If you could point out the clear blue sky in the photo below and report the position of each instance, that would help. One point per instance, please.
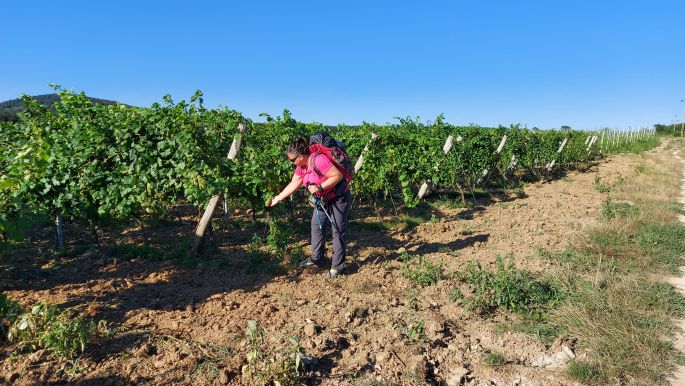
(586, 64)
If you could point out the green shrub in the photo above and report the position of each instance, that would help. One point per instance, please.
(509, 289)
(9, 312)
(46, 327)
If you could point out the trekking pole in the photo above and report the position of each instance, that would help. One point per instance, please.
(320, 207)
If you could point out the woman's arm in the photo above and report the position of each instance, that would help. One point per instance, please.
(294, 184)
(333, 176)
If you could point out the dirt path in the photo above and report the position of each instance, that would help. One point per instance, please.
(678, 377)
(353, 326)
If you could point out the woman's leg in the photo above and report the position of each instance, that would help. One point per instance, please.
(318, 238)
(339, 211)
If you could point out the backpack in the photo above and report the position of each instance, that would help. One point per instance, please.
(333, 149)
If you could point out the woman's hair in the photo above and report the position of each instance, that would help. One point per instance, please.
(299, 146)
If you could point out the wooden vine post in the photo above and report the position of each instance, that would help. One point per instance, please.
(205, 221)
(59, 232)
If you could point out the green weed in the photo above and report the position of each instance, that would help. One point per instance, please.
(585, 373)
(279, 237)
(509, 289)
(599, 186)
(456, 295)
(665, 242)
(612, 209)
(494, 359)
(413, 330)
(46, 327)
(539, 328)
(412, 299)
(421, 272)
(282, 366)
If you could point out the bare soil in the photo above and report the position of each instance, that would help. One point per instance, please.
(179, 325)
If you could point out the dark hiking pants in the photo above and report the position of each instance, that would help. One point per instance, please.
(338, 210)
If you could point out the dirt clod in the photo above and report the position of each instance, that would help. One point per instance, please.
(311, 329)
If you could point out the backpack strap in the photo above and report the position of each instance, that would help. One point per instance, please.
(313, 158)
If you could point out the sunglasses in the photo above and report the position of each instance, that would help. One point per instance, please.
(292, 160)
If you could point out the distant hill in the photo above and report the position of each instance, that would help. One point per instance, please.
(9, 109)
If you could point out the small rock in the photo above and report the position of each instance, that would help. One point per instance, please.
(190, 308)
(394, 302)
(301, 302)
(568, 352)
(311, 329)
(224, 377)
(435, 330)
(456, 375)
(37, 356)
(417, 364)
(360, 360)
(348, 317)
(145, 350)
(382, 357)
(555, 360)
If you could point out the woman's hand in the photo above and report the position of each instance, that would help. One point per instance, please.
(275, 200)
(314, 189)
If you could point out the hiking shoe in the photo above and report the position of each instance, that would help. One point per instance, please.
(308, 262)
(333, 273)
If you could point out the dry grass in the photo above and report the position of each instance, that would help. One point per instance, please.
(619, 308)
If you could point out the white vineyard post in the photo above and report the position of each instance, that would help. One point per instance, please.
(200, 231)
(593, 139)
(550, 165)
(225, 208)
(360, 160)
(425, 187)
(498, 151)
